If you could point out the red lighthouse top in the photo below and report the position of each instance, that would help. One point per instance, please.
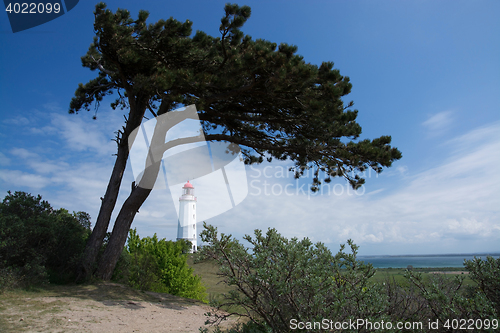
(188, 185)
(187, 192)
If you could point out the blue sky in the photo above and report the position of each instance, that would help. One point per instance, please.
(425, 72)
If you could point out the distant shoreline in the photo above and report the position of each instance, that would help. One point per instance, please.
(423, 261)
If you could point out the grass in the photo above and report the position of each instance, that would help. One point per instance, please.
(18, 299)
(208, 270)
(397, 274)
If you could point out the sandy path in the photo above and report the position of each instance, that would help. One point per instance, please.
(61, 313)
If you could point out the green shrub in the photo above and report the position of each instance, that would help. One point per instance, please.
(39, 244)
(121, 273)
(446, 298)
(486, 273)
(277, 280)
(160, 266)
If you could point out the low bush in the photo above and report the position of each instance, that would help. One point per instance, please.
(486, 273)
(277, 282)
(160, 266)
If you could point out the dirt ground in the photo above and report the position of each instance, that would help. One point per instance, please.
(105, 307)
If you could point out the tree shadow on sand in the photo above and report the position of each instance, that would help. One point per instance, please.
(114, 294)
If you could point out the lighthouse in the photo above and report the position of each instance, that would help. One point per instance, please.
(187, 216)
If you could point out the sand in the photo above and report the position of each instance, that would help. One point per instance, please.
(87, 311)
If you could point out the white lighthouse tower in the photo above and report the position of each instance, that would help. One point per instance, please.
(187, 216)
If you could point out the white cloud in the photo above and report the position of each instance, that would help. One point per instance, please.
(18, 121)
(438, 123)
(53, 166)
(52, 106)
(451, 207)
(469, 227)
(46, 130)
(438, 208)
(23, 153)
(18, 178)
(81, 135)
(4, 160)
(402, 169)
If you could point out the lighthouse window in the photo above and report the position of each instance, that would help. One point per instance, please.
(194, 207)
(193, 216)
(194, 235)
(194, 226)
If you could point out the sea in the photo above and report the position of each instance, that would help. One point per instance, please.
(423, 261)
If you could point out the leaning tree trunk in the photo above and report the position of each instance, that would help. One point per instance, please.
(95, 240)
(126, 216)
(120, 232)
(94, 243)
(141, 192)
(134, 201)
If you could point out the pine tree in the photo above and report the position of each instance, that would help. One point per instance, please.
(254, 93)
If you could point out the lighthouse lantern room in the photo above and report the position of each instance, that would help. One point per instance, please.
(187, 216)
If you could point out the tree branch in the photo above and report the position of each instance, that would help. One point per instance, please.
(104, 70)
